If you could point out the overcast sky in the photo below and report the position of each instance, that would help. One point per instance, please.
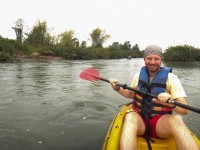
(143, 22)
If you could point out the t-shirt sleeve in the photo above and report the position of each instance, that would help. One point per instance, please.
(135, 80)
(175, 87)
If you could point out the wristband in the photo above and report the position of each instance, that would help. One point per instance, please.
(173, 106)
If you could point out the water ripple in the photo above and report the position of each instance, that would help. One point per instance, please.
(45, 105)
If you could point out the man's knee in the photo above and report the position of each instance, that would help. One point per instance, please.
(134, 121)
(131, 117)
(176, 120)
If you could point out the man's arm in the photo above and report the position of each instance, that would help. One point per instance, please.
(177, 93)
(124, 92)
(179, 109)
(163, 97)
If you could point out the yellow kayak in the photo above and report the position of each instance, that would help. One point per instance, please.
(112, 138)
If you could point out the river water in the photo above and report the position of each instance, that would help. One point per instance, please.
(44, 105)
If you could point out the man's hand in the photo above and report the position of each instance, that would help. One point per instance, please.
(113, 84)
(163, 97)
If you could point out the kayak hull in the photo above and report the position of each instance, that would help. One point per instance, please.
(112, 139)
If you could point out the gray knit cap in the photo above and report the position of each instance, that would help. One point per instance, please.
(153, 49)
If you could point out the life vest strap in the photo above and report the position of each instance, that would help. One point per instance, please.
(151, 112)
(151, 85)
(150, 104)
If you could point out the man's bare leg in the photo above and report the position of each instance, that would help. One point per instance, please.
(133, 126)
(169, 125)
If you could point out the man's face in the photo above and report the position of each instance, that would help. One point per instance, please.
(152, 62)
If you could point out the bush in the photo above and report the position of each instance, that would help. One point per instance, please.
(4, 56)
(182, 53)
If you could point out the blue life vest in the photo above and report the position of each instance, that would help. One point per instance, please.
(144, 103)
(157, 85)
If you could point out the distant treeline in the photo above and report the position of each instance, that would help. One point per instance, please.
(10, 49)
(182, 53)
(39, 41)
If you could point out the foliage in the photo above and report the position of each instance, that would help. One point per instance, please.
(115, 46)
(10, 46)
(135, 48)
(67, 46)
(83, 44)
(66, 39)
(182, 53)
(94, 53)
(19, 29)
(4, 56)
(39, 35)
(7, 48)
(126, 45)
(98, 37)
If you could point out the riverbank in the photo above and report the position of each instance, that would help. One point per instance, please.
(35, 55)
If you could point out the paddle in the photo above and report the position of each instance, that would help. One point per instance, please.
(92, 74)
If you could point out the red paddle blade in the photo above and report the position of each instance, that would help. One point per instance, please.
(90, 74)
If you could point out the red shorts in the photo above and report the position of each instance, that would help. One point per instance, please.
(153, 122)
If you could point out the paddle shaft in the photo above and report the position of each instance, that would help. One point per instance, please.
(124, 86)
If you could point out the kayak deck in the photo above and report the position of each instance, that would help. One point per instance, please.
(112, 139)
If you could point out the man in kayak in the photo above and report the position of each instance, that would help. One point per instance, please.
(153, 117)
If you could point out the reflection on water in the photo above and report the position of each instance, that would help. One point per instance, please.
(44, 105)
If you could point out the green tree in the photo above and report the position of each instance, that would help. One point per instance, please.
(19, 29)
(67, 39)
(135, 48)
(83, 44)
(76, 42)
(126, 45)
(115, 46)
(182, 53)
(98, 37)
(39, 35)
